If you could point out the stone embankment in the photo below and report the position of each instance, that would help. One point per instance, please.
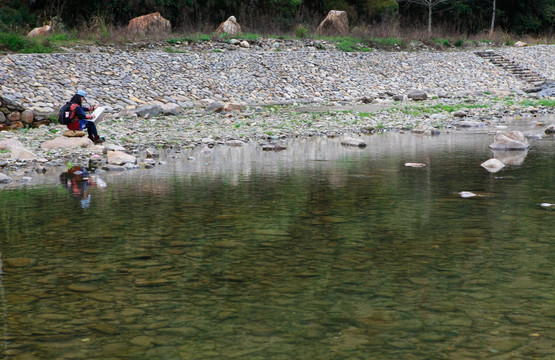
(43, 82)
(33, 87)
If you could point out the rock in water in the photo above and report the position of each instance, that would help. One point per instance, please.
(349, 141)
(467, 194)
(493, 165)
(509, 140)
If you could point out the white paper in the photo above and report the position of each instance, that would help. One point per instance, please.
(98, 112)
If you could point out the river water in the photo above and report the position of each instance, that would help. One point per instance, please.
(315, 252)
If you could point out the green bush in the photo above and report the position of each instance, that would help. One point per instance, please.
(18, 43)
(301, 31)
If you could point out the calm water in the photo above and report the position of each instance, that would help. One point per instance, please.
(315, 252)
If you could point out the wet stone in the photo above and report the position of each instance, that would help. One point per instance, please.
(104, 328)
(81, 287)
(20, 262)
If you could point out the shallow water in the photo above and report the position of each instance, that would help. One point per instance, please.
(315, 252)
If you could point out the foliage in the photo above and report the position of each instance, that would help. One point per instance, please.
(301, 31)
(520, 17)
(349, 44)
(18, 43)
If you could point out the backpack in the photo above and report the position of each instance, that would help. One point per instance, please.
(64, 116)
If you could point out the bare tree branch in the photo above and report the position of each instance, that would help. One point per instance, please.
(430, 4)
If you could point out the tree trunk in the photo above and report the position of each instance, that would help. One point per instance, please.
(430, 19)
(492, 19)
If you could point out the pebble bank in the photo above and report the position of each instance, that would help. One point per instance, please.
(123, 80)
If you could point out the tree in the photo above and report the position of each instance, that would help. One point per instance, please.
(430, 4)
(492, 19)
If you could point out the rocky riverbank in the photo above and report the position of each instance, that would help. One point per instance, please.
(270, 92)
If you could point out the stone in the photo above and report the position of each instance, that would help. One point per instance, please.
(27, 117)
(230, 26)
(470, 124)
(74, 133)
(232, 106)
(104, 328)
(14, 116)
(416, 165)
(509, 140)
(550, 130)
(520, 44)
(417, 95)
(149, 25)
(20, 153)
(41, 31)
(5, 179)
(149, 110)
(215, 106)
(20, 262)
(9, 144)
(244, 44)
(336, 23)
(234, 143)
(467, 194)
(171, 109)
(16, 125)
(65, 142)
(459, 113)
(492, 165)
(120, 158)
(425, 130)
(350, 141)
(2, 117)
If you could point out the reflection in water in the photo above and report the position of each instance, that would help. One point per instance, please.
(77, 179)
(514, 158)
(316, 252)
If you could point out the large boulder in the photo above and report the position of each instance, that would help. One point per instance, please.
(509, 140)
(230, 26)
(41, 31)
(151, 24)
(336, 23)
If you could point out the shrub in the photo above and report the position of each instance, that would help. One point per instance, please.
(301, 31)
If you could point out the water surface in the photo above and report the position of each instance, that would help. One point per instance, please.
(315, 252)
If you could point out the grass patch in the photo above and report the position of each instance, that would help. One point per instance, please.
(19, 43)
(542, 102)
(387, 42)
(435, 109)
(349, 44)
